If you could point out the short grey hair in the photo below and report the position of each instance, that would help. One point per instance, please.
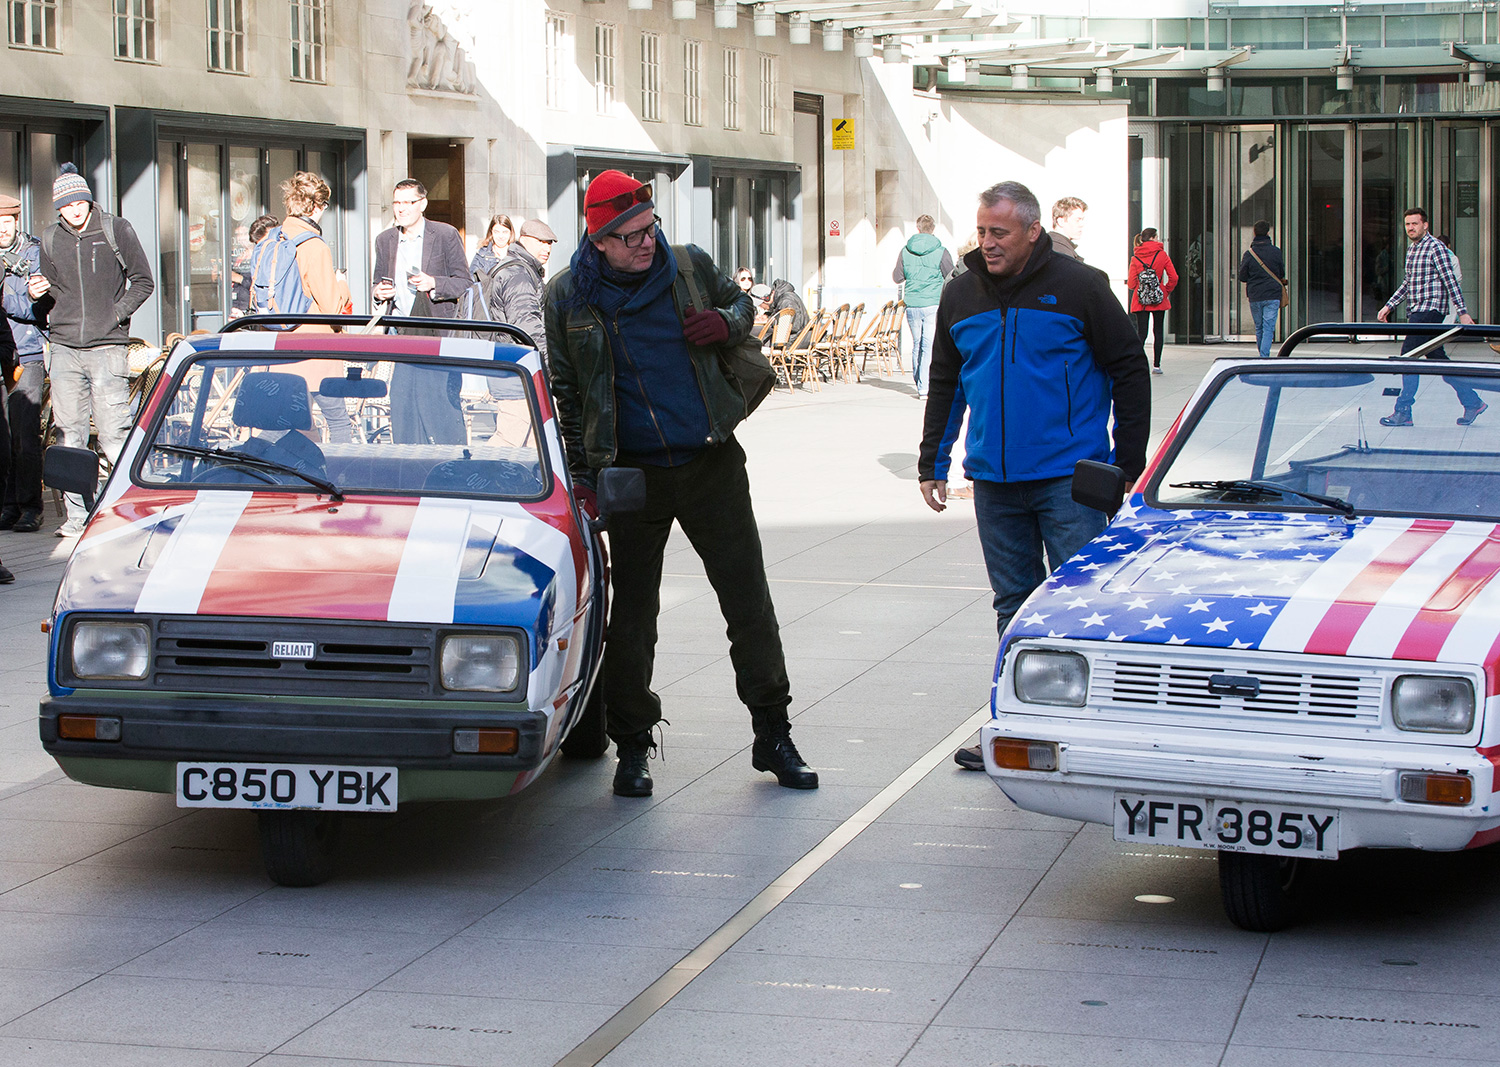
(1023, 198)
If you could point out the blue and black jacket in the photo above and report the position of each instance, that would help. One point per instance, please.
(1037, 359)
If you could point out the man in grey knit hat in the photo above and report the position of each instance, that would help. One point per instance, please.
(98, 275)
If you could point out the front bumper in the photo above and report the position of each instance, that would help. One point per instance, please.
(1359, 778)
(242, 729)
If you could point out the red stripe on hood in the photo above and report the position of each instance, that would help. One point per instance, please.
(296, 556)
(1425, 636)
(1336, 630)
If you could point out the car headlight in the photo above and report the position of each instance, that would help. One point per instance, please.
(1047, 677)
(489, 663)
(1432, 704)
(104, 649)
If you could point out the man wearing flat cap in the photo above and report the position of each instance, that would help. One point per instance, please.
(516, 296)
(634, 328)
(24, 293)
(99, 275)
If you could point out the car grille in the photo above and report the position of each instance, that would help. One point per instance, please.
(1288, 689)
(350, 659)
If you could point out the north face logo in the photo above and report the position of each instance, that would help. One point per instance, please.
(1047, 299)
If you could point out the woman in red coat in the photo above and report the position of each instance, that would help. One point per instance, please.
(1149, 253)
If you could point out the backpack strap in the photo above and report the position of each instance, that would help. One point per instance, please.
(689, 279)
(107, 224)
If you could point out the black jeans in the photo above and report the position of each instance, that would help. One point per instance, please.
(1143, 322)
(709, 496)
(21, 440)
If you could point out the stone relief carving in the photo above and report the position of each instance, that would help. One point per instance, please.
(442, 39)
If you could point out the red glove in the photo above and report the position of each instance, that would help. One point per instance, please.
(706, 328)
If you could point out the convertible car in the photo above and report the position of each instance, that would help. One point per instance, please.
(331, 573)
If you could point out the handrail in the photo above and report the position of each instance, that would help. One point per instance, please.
(1353, 330)
(246, 322)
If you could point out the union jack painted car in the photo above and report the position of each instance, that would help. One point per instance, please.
(331, 573)
(1287, 642)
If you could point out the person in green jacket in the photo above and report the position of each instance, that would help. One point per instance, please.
(922, 266)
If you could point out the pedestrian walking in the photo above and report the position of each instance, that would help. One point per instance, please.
(498, 237)
(1067, 226)
(421, 270)
(25, 302)
(8, 368)
(1045, 353)
(921, 269)
(98, 276)
(1430, 288)
(516, 293)
(1151, 281)
(1263, 271)
(639, 383)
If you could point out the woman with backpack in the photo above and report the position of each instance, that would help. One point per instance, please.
(1151, 281)
(497, 241)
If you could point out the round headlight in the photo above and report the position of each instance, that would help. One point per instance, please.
(1433, 704)
(489, 663)
(111, 649)
(1044, 676)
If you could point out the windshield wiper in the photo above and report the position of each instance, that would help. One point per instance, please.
(1267, 488)
(225, 455)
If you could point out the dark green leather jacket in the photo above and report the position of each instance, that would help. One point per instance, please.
(583, 368)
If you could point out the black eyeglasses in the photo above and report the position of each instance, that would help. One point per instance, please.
(624, 200)
(637, 237)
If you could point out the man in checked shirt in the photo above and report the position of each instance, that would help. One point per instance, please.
(1429, 287)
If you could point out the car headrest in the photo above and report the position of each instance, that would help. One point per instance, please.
(270, 401)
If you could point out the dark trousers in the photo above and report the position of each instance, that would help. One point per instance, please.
(21, 440)
(709, 497)
(1144, 320)
(1409, 382)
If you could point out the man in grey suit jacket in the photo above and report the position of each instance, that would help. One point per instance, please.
(421, 268)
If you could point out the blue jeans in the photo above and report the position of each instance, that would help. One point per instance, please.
(921, 322)
(1016, 521)
(1409, 382)
(1263, 312)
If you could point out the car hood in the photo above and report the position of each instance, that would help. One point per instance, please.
(291, 555)
(1380, 587)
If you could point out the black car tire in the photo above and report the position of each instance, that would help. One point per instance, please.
(1260, 892)
(589, 739)
(298, 846)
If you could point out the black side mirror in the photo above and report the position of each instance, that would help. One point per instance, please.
(73, 470)
(1100, 486)
(621, 490)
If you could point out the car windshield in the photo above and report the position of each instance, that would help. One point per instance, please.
(333, 426)
(1311, 438)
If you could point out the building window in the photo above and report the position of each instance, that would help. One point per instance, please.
(307, 40)
(605, 85)
(558, 44)
(692, 83)
(650, 77)
(767, 94)
(135, 30)
(33, 23)
(731, 88)
(226, 35)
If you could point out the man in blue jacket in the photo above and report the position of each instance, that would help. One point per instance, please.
(25, 300)
(1037, 349)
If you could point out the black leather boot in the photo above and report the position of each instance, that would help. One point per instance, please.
(774, 751)
(633, 775)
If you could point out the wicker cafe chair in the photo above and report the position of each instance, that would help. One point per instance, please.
(826, 361)
(779, 334)
(844, 344)
(802, 354)
(868, 344)
(892, 338)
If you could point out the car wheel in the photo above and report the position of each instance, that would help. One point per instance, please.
(588, 739)
(1260, 892)
(298, 846)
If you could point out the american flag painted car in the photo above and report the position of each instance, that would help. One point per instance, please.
(1287, 642)
(331, 573)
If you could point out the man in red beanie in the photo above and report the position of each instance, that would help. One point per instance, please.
(636, 373)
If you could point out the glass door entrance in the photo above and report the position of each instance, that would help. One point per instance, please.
(1252, 181)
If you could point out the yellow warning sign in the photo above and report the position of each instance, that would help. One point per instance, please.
(843, 133)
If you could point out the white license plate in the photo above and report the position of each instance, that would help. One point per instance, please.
(286, 786)
(1227, 825)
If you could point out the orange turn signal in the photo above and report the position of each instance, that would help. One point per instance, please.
(487, 742)
(88, 728)
(1432, 787)
(1015, 754)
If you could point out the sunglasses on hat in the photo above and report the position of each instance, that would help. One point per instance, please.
(624, 200)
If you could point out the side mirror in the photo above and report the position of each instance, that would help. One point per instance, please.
(1100, 486)
(621, 490)
(73, 470)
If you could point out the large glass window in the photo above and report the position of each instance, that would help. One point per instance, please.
(1316, 175)
(33, 24)
(1422, 29)
(558, 45)
(1267, 33)
(650, 77)
(1384, 183)
(1252, 153)
(749, 220)
(767, 93)
(692, 83)
(226, 35)
(606, 87)
(308, 29)
(135, 30)
(1458, 170)
(731, 88)
(1192, 205)
(1120, 31)
(1261, 99)
(1422, 94)
(1328, 32)
(1181, 97)
(1324, 97)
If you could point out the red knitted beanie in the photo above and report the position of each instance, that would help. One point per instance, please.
(605, 217)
